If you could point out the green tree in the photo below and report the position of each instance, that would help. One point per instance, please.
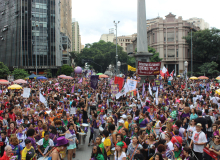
(20, 73)
(48, 73)
(65, 69)
(131, 61)
(102, 54)
(155, 57)
(209, 68)
(4, 71)
(206, 47)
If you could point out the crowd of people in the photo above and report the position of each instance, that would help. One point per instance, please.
(172, 122)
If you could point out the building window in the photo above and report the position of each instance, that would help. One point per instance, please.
(165, 53)
(170, 36)
(177, 53)
(176, 36)
(164, 35)
(170, 53)
(153, 38)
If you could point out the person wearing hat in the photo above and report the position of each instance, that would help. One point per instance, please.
(62, 144)
(126, 124)
(198, 141)
(119, 154)
(120, 124)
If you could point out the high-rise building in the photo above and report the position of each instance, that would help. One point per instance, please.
(198, 22)
(76, 37)
(108, 37)
(66, 29)
(30, 34)
(124, 41)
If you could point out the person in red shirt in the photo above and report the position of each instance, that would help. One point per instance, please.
(11, 115)
(12, 129)
(176, 137)
(7, 154)
(119, 138)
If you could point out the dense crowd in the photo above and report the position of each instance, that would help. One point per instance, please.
(172, 122)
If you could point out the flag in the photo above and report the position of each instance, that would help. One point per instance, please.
(167, 74)
(172, 73)
(162, 74)
(72, 91)
(94, 81)
(149, 89)
(164, 70)
(80, 81)
(124, 91)
(143, 90)
(138, 96)
(42, 99)
(119, 81)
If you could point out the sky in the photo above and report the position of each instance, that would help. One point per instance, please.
(96, 17)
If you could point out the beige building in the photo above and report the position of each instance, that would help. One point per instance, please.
(124, 41)
(198, 22)
(166, 36)
(108, 37)
(66, 29)
(76, 37)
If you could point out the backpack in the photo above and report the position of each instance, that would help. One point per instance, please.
(208, 118)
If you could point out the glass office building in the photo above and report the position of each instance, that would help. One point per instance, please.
(30, 34)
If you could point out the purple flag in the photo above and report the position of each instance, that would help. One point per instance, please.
(207, 87)
(94, 81)
(143, 90)
(80, 81)
(73, 89)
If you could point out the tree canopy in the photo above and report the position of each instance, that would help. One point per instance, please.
(4, 71)
(65, 69)
(155, 57)
(209, 67)
(20, 73)
(206, 47)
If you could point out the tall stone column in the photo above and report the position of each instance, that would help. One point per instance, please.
(142, 45)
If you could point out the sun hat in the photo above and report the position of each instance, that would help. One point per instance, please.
(121, 121)
(121, 144)
(199, 124)
(124, 116)
(61, 141)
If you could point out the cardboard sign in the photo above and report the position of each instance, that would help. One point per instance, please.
(157, 82)
(114, 89)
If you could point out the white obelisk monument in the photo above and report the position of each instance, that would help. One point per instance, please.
(142, 47)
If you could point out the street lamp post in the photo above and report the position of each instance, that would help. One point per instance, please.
(110, 66)
(118, 66)
(116, 27)
(186, 66)
(191, 53)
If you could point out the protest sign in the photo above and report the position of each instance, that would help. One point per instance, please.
(26, 92)
(94, 81)
(157, 82)
(114, 89)
(132, 84)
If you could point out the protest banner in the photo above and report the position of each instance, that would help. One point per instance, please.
(132, 84)
(148, 68)
(119, 81)
(114, 89)
(94, 81)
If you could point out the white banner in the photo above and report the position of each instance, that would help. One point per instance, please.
(43, 100)
(132, 84)
(26, 92)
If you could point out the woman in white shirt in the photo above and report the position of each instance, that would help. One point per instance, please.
(119, 154)
(168, 137)
(191, 128)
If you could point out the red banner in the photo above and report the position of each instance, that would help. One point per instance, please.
(148, 68)
(119, 81)
(210, 153)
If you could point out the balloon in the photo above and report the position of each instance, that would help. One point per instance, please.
(78, 70)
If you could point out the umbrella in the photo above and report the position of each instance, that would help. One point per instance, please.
(62, 75)
(218, 78)
(15, 86)
(41, 77)
(103, 76)
(66, 77)
(203, 77)
(217, 91)
(99, 73)
(18, 81)
(32, 76)
(178, 76)
(3, 81)
(194, 78)
(56, 84)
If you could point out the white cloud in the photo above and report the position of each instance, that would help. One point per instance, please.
(96, 17)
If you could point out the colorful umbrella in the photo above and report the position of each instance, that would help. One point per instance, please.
(18, 81)
(15, 86)
(203, 77)
(66, 77)
(217, 91)
(3, 81)
(41, 77)
(103, 76)
(99, 73)
(218, 78)
(62, 75)
(194, 78)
